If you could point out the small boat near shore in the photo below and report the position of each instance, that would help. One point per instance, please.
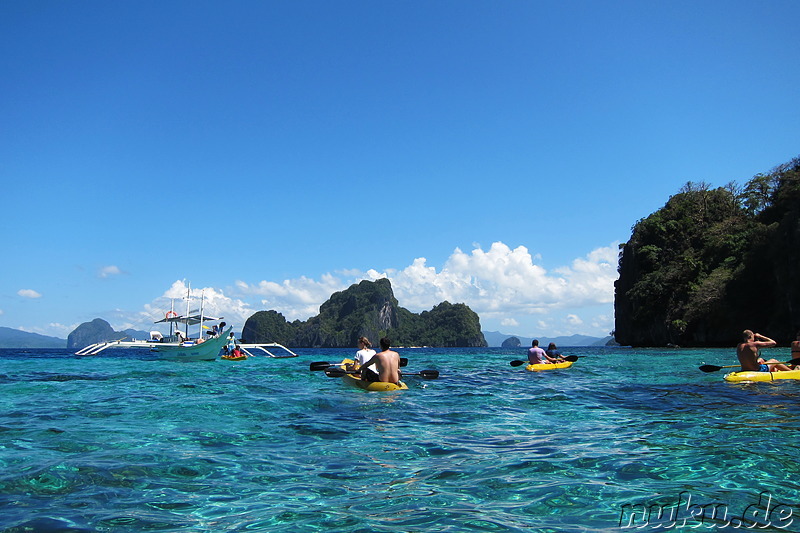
(178, 346)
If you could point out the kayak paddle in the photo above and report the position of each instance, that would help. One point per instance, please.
(714, 368)
(322, 365)
(426, 374)
(339, 372)
(570, 358)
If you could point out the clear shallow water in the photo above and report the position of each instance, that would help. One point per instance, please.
(117, 443)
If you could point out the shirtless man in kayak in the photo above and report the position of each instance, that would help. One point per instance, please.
(747, 352)
(387, 363)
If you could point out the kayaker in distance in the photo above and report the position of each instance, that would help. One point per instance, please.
(537, 356)
(387, 363)
(552, 351)
(231, 343)
(747, 352)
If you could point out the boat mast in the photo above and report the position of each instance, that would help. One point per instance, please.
(188, 301)
(172, 310)
(202, 303)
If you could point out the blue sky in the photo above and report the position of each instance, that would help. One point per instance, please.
(271, 153)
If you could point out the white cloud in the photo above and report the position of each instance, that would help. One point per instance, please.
(505, 286)
(61, 329)
(502, 281)
(500, 284)
(108, 271)
(29, 293)
(298, 299)
(214, 303)
(574, 320)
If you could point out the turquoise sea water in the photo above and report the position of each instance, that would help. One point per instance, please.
(118, 443)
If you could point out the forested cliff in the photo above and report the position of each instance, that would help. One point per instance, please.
(369, 309)
(713, 262)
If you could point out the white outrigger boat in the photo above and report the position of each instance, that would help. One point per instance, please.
(179, 347)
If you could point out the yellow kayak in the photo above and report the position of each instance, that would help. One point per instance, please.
(548, 366)
(370, 385)
(749, 375)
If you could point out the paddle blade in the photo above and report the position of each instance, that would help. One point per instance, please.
(518, 363)
(336, 372)
(571, 358)
(429, 374)
(710, 368)
(322, 365)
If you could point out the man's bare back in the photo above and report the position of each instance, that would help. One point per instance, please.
(747, 352)
(387, 362)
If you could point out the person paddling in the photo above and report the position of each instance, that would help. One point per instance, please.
(537, 356)
(553, 351)
(364, 353)
(386, 361)
(747, 352)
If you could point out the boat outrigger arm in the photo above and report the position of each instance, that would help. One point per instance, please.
(263, 347)
(94, 349)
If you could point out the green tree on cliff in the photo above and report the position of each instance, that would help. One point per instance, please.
(712, 262)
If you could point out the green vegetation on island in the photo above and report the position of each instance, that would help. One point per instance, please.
(713, 262)
(369, 308)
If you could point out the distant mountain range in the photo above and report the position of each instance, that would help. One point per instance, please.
(15, 338)
(495, 338)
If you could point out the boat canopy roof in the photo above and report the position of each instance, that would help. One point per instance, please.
(190, 320)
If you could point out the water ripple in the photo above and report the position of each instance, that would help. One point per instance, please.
(122, 444)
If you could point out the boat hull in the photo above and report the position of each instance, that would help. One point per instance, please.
(205, 351)
(550, 366)
(372, 386)
(761, 376)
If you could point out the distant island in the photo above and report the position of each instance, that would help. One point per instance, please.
(15, 338)
(369, 309)
(98, 330)
(713, 262)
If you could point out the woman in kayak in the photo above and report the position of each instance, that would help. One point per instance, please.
(364, 354)
(552, 351)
